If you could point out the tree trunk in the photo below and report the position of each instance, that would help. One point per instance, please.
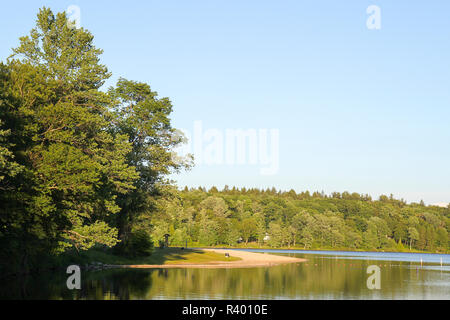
(24, 264)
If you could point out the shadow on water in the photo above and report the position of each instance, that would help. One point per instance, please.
(321, 277)
(95, 285)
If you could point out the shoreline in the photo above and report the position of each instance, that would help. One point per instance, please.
(320, 250)
(247, 260)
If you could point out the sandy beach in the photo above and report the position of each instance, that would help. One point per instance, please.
(248, 260)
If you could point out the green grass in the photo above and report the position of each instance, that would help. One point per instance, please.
(178, 256)
(159, 256)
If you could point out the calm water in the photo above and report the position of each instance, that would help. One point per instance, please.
(326, 275)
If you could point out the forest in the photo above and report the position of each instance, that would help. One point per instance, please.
(79, 165)
(277, 219)
(84, 168)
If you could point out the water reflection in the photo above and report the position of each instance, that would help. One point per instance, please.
(321, 277)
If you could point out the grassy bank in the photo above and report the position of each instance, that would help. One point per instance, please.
(170, 255)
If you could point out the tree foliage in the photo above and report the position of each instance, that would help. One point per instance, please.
(288, 219)
(78, 165)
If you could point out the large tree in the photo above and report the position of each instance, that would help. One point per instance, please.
(145, 119)
(73, 156)
(77, 160)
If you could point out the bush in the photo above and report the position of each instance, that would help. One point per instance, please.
(138, 244)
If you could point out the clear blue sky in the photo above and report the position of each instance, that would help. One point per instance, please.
(357, 109)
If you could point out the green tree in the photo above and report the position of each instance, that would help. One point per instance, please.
(79, 166)
(248, 228)
(442, 237)
(306, 238)
(276, 235)
(413, 235)
(143, 118)
(76, 161)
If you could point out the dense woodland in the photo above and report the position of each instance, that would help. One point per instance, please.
(83, 167)
(79, 166)
(304, 220)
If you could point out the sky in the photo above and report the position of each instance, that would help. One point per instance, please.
(354, 108)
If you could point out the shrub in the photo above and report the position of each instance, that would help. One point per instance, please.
(138, 244)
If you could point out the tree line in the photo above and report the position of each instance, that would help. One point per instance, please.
(255, 217)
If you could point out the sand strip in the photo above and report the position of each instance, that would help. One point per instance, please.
(248, 260)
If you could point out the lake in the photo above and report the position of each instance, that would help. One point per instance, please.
(326, 275)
